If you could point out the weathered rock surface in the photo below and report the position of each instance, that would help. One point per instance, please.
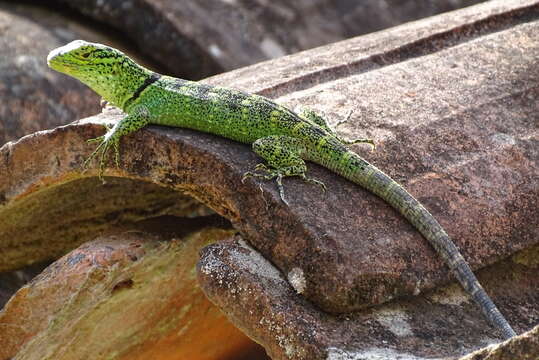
(34, 97)
(12, 281)
(441, 324)
(523, 347)
(457, 127)
(452, 102)
(195, 39)
(441, 97)
(47, 222)
(132, 295)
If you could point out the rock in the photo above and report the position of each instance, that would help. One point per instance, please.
(440, 97)
(33, 96)
(46, 223)
(523, 347)
(446, 128)
(11, 281)
(132, 295)
(37, 98)
(438, 324)
(452, 104)
(195, 39)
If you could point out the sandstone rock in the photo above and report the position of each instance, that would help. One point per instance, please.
(452, 104)
(440, 96)
(186, 43)
(132, 295)
(46, 223)
(441, 324)
(455, 125)
(11, 281)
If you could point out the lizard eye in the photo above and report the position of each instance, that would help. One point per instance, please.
(85, 55)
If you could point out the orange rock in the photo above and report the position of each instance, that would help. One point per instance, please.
(127, 296)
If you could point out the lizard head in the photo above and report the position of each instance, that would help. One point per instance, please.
(108, 71)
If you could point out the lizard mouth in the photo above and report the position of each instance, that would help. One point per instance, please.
(52, 58)
(59, 64)
(57, 61)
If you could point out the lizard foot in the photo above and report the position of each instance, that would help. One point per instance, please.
(354, 141)
(361, 140)
(313, 181)
(264, 172)
(268, 174)
(102, 150)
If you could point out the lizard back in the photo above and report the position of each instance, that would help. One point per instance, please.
(226, 112)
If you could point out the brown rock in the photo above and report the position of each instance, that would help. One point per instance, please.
(370, 52)
(33, 96)
(436, 325)
(11, 281)
(443, 112)
(46, 223)
(440, 97)
(195, 39)
(523, 347)
(132, 295)
(456, 121)
(36, 98)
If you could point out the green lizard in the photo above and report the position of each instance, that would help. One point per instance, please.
(283, 138)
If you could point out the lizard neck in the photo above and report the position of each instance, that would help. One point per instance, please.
(120, 82)
(150, 79)
(129, 81)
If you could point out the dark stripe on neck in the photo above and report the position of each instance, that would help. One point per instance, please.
(149, 80)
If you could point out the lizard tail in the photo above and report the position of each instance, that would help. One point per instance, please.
(353, 167)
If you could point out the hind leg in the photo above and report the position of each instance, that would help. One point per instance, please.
(313, 117)
(283, 155)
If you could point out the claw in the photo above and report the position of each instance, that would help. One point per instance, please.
(281, 188)
(314, 181)
(268, 174)
(92, 155)
(275, 174)
(116, 154)
(373, 144)
(346, 119)
(370, 142)
(97, 139)
(357, 141)
(367, 141)
(103, 160)
(261, 167)
(102, 151)
(246, 175)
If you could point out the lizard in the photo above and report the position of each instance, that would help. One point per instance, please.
(285, 139)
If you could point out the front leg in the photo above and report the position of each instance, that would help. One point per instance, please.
(130, 123)
(283, 154)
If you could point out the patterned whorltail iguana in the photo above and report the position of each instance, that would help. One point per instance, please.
(281, 137)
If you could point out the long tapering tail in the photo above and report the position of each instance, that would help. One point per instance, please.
(356, 169)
